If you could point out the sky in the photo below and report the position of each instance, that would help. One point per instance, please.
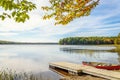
(104, 20)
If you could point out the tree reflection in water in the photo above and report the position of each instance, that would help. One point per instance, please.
(97, 54)
(118, 51)
(117, 45)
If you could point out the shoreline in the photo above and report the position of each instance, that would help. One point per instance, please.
(84, 77)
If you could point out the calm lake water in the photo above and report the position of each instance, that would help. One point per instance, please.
(36, 58)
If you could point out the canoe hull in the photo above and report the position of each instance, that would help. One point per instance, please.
(110, 67)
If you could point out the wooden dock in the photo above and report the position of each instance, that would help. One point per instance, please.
(77, 69)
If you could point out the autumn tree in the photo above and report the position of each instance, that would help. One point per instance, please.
(117, 43)
(87, 40)
(16, 9)
(64, 11)
(119, 35)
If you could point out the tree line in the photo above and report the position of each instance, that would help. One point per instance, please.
(119, 35)
(88, 40)
(6, 42)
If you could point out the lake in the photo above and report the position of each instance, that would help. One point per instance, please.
(36, 58)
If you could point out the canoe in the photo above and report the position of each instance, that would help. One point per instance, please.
(102, 65)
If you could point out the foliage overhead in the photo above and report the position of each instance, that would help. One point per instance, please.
(17, 9)
(64, 11)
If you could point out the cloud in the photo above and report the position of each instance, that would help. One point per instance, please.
(103, 20)
(10, 25)
(8, 34)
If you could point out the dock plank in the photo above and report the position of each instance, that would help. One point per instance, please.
(87, 69)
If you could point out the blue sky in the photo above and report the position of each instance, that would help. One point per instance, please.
(103, 21)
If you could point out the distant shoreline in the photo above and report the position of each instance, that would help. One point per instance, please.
(28, 43)
(52, 44)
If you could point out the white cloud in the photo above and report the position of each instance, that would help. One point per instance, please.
(45, 30)
(10, 25)
(8, 34)
(39, 39)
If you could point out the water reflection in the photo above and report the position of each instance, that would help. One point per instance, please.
(36, 58)
(99, 54)
(24, 58)
(87, 51)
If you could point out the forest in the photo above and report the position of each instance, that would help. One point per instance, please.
(6, 42)
(89, 40)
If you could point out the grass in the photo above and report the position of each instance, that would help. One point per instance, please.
(7, 74)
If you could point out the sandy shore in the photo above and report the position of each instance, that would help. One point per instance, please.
(84, 77)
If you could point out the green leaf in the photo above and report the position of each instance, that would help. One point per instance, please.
(19, 11)
(3, 17)
(13, 14)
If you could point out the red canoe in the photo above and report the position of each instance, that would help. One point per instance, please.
(102, 65)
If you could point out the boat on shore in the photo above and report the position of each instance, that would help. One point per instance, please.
(102, 65)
